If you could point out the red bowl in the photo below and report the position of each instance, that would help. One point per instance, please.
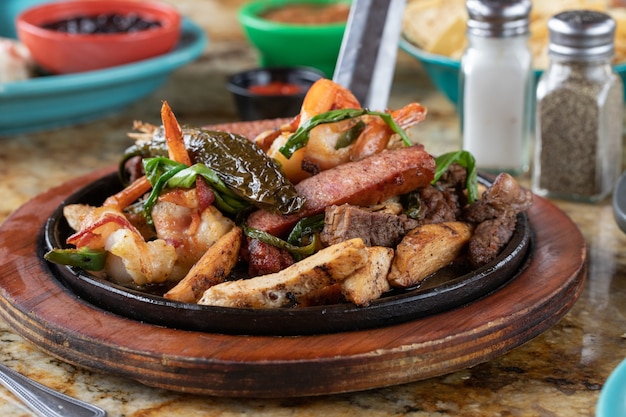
(62, 53)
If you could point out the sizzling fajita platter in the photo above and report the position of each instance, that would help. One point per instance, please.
(451, 268)
(444, 290)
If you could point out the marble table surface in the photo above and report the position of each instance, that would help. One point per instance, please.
(559, 373)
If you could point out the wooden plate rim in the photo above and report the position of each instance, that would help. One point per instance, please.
(49, 316)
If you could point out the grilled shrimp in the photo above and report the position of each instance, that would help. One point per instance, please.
(189, 229)
(182, 235)
(185, 222)
(134, 259)
(377, 133)
(322, 151)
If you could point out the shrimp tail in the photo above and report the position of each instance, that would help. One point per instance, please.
(128, 195)
(174, 136)
(375, 137)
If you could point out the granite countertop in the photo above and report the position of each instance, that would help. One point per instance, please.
(559, 373)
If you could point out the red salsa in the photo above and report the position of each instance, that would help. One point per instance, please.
(276, 88)
(309, 14)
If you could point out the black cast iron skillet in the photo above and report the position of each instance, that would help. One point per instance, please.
(443, 291)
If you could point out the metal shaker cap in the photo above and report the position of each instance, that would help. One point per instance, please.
(582, 34)
(498, 18)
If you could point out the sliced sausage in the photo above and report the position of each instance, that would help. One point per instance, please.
(362, 183)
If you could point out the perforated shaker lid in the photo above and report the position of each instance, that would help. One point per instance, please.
(582, 34)
(498, 18)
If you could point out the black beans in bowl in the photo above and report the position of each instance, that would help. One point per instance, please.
(102, 24)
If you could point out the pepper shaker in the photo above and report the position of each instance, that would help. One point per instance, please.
(579, 110)
(497, 85)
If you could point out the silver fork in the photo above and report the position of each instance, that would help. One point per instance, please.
(46, 402)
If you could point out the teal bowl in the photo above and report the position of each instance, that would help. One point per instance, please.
(52, 101)
(292, 45)
(612, 400)
(444, 71)
(9, 9)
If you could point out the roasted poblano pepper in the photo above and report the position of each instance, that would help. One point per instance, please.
(241, 165)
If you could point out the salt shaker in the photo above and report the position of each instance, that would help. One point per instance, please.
(579, 110)
(497, 85)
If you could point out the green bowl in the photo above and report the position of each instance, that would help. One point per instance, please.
(290, 45)
(444, 71)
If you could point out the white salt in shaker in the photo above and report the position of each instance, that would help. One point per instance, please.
(579, 110)
(497, 85)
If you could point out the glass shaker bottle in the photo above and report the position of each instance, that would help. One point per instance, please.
(497, 85)
(579, 110)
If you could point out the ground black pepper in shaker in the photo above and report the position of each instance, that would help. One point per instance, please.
(579, 110)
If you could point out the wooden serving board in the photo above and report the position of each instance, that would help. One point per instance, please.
(51, 317)
(44, 312)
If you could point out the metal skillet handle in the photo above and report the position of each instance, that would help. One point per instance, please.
(367, 58)
(44, 401)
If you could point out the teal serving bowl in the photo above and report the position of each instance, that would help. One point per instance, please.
(9, 10)
(612, 400)
(52, 101)
(292, 45)
(444, 71)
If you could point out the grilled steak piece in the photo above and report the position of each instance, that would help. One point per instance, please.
(496, 216)
(375, 228)
(443, 202)
(504, 197)
(489, 238)
(438, 205)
